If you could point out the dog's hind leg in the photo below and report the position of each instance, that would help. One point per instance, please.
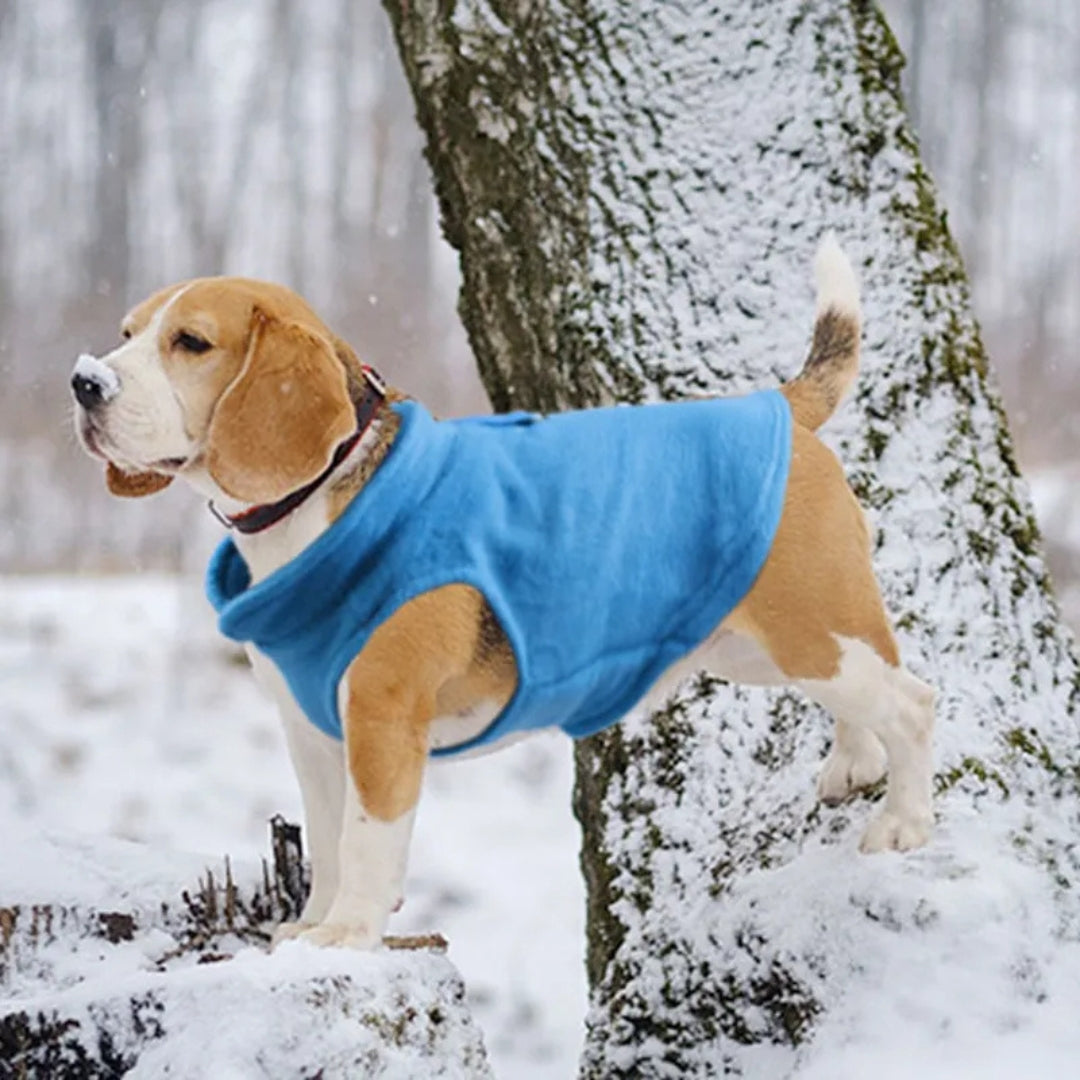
(857, 760)
(817, 612)
(885, 703)
(884, 720)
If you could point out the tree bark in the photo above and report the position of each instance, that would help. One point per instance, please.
(636, 190)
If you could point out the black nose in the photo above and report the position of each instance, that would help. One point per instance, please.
(88, 391)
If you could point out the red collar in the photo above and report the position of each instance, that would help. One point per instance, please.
(257, 518)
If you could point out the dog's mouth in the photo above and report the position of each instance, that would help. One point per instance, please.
(169, 464)
(90, 437)
(95, 444)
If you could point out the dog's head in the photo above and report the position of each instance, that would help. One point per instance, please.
(236, 385)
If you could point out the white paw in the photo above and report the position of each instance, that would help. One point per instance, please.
(340, 935)
(845, 772)
(889, 831)
(286, 931)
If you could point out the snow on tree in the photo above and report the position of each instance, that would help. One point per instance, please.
(636, 190)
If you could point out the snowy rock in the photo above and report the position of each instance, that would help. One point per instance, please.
(110, 966)
(301, 1011)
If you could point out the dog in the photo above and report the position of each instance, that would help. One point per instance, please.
(493, 566)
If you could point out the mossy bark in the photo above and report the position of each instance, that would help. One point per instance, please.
(635, 190)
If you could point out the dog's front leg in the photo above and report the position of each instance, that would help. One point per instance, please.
(373, 855)
(386, 743)
(318, 762)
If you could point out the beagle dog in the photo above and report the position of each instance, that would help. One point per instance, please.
(239, 388)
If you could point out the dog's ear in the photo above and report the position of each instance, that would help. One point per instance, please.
(276, 426)
(132, 485)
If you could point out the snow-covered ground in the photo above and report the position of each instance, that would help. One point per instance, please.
(123, 714)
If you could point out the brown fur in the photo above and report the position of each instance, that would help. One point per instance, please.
(258, 450)
(133, 485)
(232, 313)
(417, 665)
(817, 581)
(828, 372)
(346, 487)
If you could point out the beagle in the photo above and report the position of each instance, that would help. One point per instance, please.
(410, 587)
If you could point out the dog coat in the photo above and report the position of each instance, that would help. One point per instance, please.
(608, 542)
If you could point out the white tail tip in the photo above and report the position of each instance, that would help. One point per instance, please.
(837, 286)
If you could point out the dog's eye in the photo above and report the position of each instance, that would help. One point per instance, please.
(125, 334)
(191, 343)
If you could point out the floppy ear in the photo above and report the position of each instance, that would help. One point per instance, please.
(131, 485)
(276, 426)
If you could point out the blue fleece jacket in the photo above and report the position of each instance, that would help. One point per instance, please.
(608, 542)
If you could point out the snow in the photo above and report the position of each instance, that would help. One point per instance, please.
(279, 1015)
(136, 751)
(91, 368)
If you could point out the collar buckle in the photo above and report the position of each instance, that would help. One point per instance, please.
(223, 518)
(375, 380)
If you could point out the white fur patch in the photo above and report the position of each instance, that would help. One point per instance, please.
(837, 285)
(319, 763)
(371, 865)
(454, 729)
(897, 709)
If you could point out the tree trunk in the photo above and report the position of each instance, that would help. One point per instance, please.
(636, 190)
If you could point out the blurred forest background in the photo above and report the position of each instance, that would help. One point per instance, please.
(142, 141)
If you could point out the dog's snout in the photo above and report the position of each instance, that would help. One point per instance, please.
(88, 391)
(93, 382)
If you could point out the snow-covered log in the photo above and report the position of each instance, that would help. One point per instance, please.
(114, 963)
(636, 190)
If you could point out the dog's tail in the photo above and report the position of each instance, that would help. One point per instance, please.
(834, 353)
